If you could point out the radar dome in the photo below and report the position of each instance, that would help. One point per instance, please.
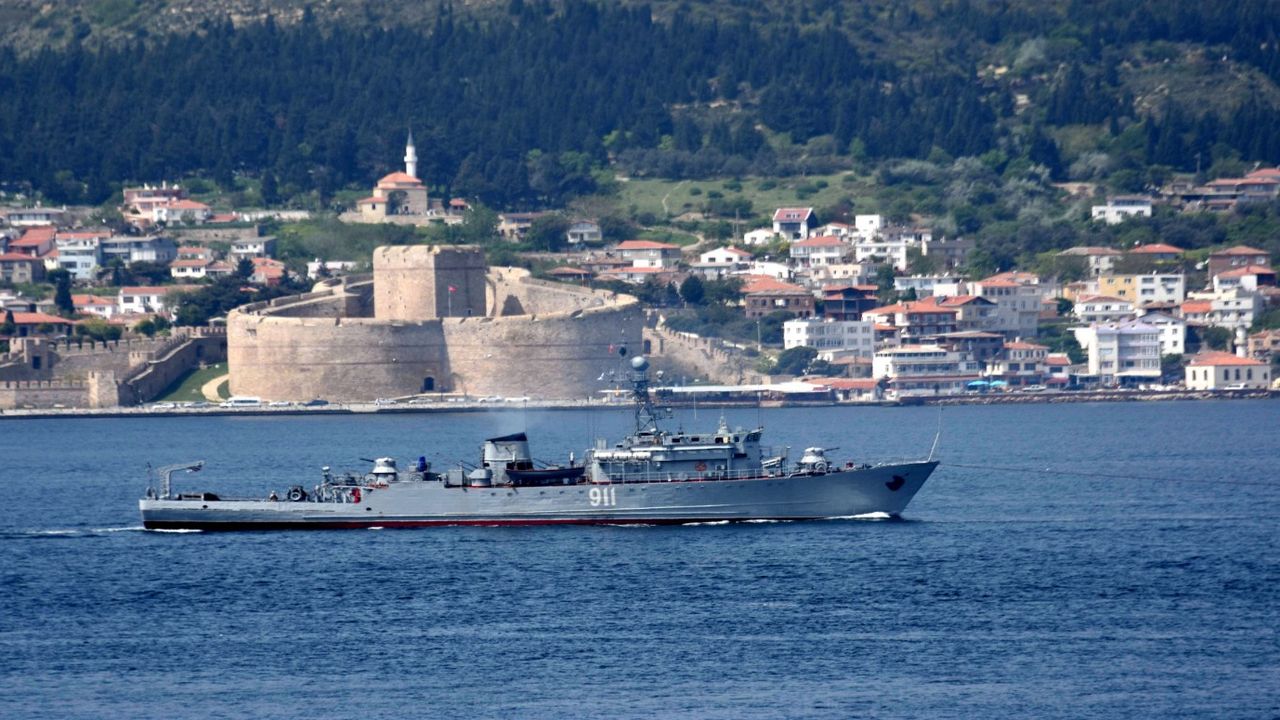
(639, 363)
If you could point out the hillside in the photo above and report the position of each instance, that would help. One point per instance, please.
(966, 110)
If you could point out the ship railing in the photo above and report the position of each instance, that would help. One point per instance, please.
(658, 475)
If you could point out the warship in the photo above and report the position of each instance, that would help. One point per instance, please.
(652, 476)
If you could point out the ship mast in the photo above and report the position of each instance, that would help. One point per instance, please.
(646, 415)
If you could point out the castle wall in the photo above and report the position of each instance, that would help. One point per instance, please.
(558, 349)
(282, 358)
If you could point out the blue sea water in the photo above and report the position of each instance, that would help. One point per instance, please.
(1139, 578)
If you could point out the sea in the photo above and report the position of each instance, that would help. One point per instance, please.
(1065, 561)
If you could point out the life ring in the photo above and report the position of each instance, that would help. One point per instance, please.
(820, 467)
(700, 467)
(297, 494)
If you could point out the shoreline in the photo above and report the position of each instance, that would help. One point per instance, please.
(371, 408)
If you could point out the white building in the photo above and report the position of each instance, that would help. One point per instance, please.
(762, 236)
(319, 268)
(1173, 332)
(254, 247)
(731, 256)
(825, 250)
(1120, 353)
(649, 253)
(1244, 278)
(1230, 309)
(844, 274)
(584, 231)
(867, 226)
(884, 249)
(793, 223)
(924, 285)
(829, 337)
(1102, 308)
(923, 371)
(1017, 305)
(1222, 370)
(146, 299)
(184, 211)
(1120, 208)
(79, 254)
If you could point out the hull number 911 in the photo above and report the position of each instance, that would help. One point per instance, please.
(603, 496)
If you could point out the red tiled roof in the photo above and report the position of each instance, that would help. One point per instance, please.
(35, 236)
(194, 262)
(38, 318)
(1156, 248)
(821, 241)
(1013, 276)
(1197, 306)
(792, 214)
(1248, 270)
(646, 245)
(765, 283)
(369, 200)
(1239, 250)
(18, 257)
(85, 300)
(1100, 298)
(186, 205)
(399, 178)
(1017, 345)
(1219, 359)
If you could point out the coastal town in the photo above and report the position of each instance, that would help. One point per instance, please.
(92, 313)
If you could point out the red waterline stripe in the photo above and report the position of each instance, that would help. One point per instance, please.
(396, 524)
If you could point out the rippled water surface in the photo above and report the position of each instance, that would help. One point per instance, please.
(1140, 578)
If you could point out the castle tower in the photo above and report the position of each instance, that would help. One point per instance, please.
(410, 157)
(413, 283)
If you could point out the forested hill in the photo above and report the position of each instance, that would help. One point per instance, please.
(518, 103)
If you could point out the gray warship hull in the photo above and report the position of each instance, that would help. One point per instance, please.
(883, 490)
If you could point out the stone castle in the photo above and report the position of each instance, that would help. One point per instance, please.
(431, 319)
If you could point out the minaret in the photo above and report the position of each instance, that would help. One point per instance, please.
(410, 157)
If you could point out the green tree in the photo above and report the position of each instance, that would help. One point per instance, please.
(692, 290)
(270, 193)
(1217, 338)
(9, 327)
(62, 291)
(796, 360)
(145, 327)
(548, 232)
(244, 269)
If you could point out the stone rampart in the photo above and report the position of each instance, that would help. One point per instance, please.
(700, 357)
(564, 340)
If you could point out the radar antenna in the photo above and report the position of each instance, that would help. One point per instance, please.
(646, 414)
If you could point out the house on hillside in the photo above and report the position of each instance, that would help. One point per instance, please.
(1121, 208)
(824, 250)
(794, 223)
(1236, 257)
(649, 253)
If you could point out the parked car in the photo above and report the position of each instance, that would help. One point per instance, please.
(241, 401)
(318, 402)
